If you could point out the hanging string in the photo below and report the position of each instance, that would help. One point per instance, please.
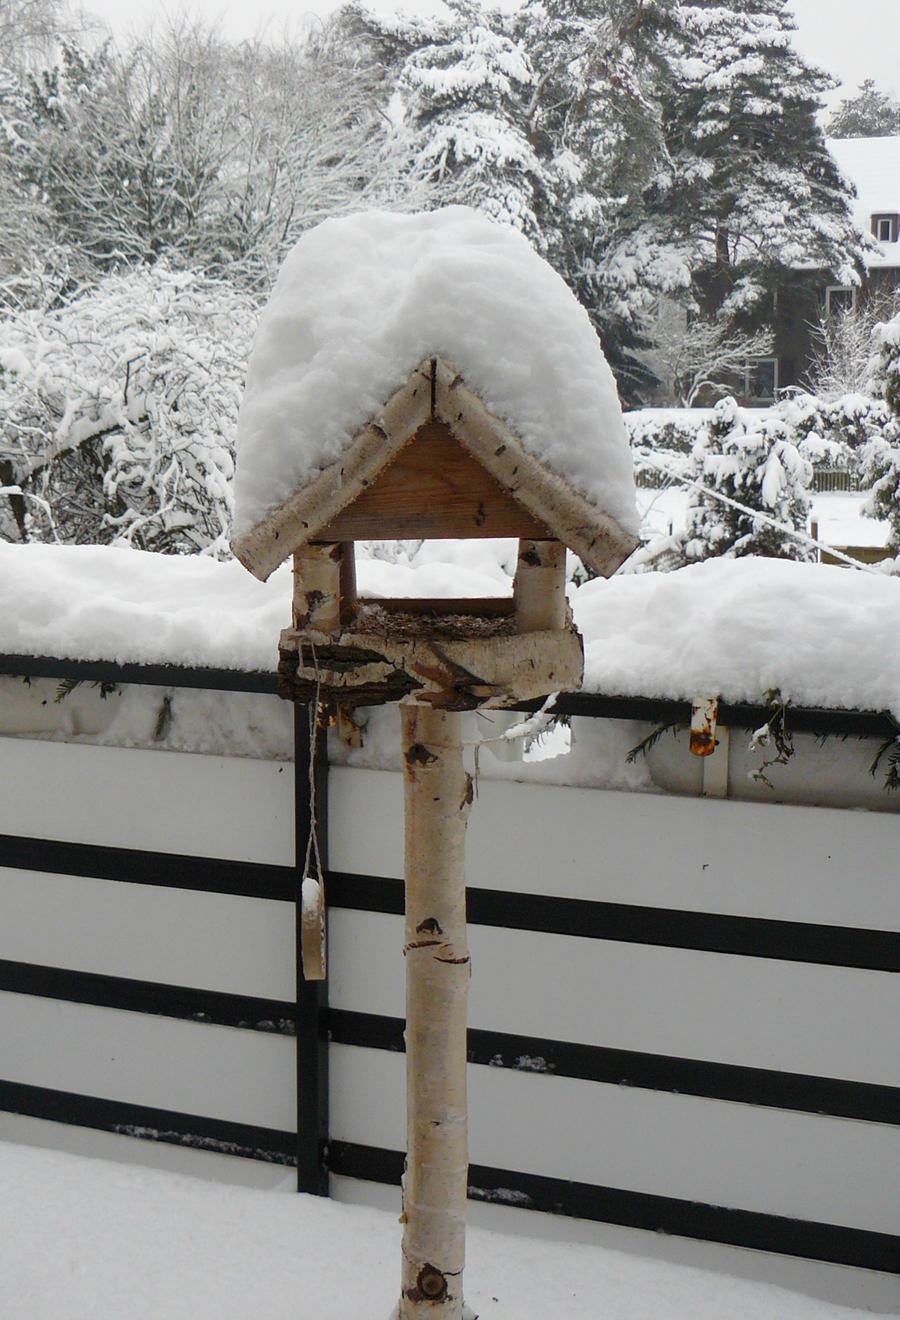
(312, 842)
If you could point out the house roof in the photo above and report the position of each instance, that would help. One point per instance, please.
(362, 301)
(872, 165)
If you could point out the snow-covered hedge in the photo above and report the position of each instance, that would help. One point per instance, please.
(117, 412)
(828, 433)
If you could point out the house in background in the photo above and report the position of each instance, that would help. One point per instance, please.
(872, 165)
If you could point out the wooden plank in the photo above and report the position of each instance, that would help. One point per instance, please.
(596, 537)
(481, 607)
(433, 488)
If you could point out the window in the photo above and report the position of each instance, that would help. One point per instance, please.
(886, 228)
(761, 379)
(839, 298)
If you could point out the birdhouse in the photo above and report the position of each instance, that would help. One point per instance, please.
(433, 462)
(504, 423)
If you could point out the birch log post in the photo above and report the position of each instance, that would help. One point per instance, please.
(317, 587)
(539, 589)
(438, 794)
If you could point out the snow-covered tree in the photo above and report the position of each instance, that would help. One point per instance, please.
(117, 412)
(752, 192)
(186, 147)
(749, 458)
(842, 346)
(461, 91)
(698, 358)
(545, 118)
(881, 457)
(868, 113)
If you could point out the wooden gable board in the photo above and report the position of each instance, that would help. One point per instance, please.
(433, 487)
(322, 508)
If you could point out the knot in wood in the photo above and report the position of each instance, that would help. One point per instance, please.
(431, 1283)
(419, 754)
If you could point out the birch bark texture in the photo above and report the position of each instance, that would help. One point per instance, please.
(437, 798)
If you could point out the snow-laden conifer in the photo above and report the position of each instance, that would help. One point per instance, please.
(881, 457)
(749, 459)
(868, 113)
(752, 191)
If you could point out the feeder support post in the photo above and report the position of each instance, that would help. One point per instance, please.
(318, 568)
(539, 589)
(437, 797)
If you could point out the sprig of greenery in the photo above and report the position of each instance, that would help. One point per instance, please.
(646, 744)
(68, 685)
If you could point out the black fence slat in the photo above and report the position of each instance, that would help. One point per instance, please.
(187, 1003)
(810, 1240)
(757, 937)
(162, 675)
(138, 866)
(310, 814)
(799, 719)
(832, 1097)
(169, 1126)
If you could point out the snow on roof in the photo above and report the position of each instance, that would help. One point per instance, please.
(824, 636)
(362, 300)
(872, 165)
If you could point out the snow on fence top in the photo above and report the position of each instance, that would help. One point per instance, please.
(823, 636)
(361, 300)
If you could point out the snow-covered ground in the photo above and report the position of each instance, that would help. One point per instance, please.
(87, 1239)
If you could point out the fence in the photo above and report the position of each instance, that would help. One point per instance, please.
(824, 480)
(683, 1011)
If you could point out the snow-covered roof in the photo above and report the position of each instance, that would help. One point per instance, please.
(358, 305)
(872, 165)
(824, 636)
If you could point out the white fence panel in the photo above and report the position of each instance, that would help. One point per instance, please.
(771, 1161)
(201, 806)
(193, 1068)
(786, 863)
(221, 942)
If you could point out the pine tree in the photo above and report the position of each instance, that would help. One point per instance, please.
(546, 118)
(881, 457)
(752, 192)
(462, 90)
(750, 459)
(870, 113)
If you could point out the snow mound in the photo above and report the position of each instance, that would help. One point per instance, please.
(362, 299)
(823, 636)
(737, 628)
(93, 602)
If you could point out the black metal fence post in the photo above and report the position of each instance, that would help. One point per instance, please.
(312, 996)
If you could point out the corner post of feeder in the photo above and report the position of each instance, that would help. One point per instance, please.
(539, 589)
(437, 797)
(318, 572)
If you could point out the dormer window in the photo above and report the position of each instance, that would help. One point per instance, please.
(886, 227)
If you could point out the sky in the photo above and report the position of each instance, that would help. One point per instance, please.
(853, 39)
